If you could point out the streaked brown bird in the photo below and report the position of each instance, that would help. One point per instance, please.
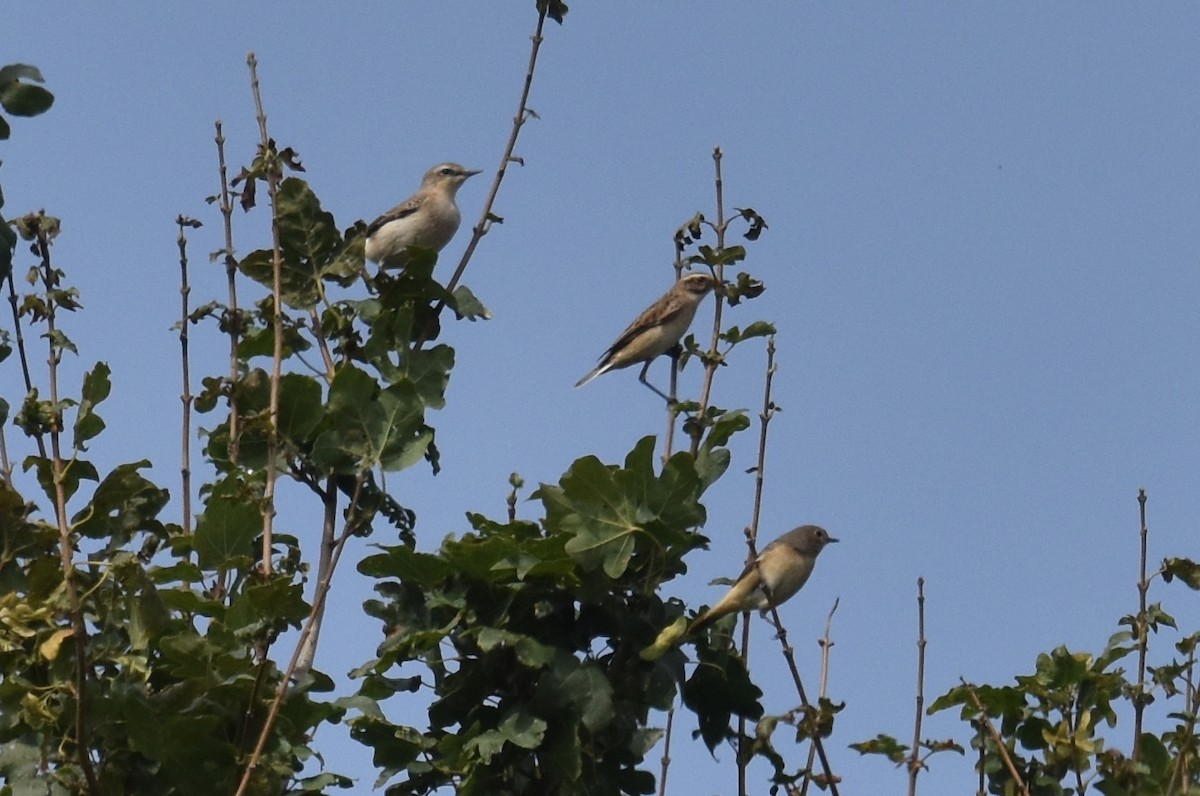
(785, 564)
(656, 330)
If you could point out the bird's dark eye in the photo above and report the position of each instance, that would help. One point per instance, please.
(446, 172)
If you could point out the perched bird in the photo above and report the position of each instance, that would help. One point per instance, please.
(656, 330)
(784, 564)
(428, 219)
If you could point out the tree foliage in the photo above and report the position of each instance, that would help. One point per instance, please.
(139, 653)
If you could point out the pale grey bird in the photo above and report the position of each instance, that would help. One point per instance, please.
(784, 564)
(656, 330)
(427, 219)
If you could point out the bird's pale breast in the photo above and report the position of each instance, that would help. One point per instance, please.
(785, 570)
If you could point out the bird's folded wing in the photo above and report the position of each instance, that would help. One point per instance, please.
(402, 210)
(656, 315)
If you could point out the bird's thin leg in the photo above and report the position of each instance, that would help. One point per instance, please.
(655, 390)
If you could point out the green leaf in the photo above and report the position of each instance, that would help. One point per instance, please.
(529, 651)
(96, 387)
(23, 99)
(148, 614)
(1185, 569)
(74, 471)
(20, 72)
(884, 745)
(226, 531)
(523, 730)
(580, 685)
(124, 503)
(300, 407)
(605, 509)
(309, 244)
(518, 728)
(371, 427)
(267, 606)
(554, 9)
(422, 569)
(719, 689)
(429, 372)
(468, 306)
(297, 282)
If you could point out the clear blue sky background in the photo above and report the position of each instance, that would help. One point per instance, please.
(982, 260)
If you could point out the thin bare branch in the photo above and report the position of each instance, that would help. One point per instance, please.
(1143, 585)
(185, 467)
(765, 416)
(273, 180)
(710, 364)
(914, 760)
(826, 643)
(325, 561)
(666, 756)
(764, 421)
(233, 322)
(485, 217)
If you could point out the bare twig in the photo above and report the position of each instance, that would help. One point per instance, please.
(233, 320)
(1143, 585)
(914, 761)
(768, 412)
(710, 365)
(826, 643)
(1000, 747)
(666, 757)
(185, 471)
(65, 542)
(307, 645)
(790, 657)
(273, 179)
(764, 421)
(484, 224)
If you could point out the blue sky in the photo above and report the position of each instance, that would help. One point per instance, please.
(982, 261)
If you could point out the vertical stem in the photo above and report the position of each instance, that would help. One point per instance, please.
(233, 319)
(272, 474)
(666, 757)
(914, 761)
(65, 542)
(826, 643)
(764, 421)
(485, 217)
(1139, 700)
(186, 396)
(325, 561)
(673, 390)
(710, 367)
